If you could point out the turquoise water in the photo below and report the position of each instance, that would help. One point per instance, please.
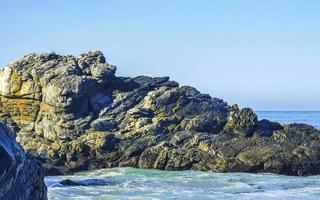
(129, 183)
(134, 184)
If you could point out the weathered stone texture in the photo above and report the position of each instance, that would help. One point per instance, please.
(74, 114)
(21, 177)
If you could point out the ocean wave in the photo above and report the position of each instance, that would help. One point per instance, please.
(129, 183)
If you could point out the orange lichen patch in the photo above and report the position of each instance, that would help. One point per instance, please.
(22, 111)
(48, 111)
(16, 83)
(33, 145)
(2, 110)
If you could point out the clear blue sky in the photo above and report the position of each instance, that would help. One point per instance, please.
(261, 54)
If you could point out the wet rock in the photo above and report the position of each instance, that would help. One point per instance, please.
(68, 182)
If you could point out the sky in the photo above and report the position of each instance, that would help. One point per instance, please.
(259, 54)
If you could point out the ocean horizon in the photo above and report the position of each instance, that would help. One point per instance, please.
(291, 117)
(160, 100)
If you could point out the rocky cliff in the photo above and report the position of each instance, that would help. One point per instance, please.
(74, 114)
(21, 177)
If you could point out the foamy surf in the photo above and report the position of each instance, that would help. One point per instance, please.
(129, 183)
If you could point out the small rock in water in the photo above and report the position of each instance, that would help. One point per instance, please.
(68, 182)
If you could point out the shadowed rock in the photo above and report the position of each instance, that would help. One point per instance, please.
(86, 182)
(74, 114)
(21, 177)
(68, 182)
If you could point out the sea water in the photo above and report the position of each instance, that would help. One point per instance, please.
(129, 183)
(290, 117)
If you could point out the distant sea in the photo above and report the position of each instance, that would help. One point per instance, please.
(290, 117)
(140, 184)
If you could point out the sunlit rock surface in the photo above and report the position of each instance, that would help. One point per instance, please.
(73, 114)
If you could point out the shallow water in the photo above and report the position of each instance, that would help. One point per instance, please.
(129, 183)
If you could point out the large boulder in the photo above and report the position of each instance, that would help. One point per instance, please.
(74, 113)
(241, 122)
(21, 177)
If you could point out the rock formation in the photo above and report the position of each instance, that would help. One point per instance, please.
(21, 177)
(73, 113)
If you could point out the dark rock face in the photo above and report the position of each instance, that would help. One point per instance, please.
(74, 114)
(68, 182)
(21, 177)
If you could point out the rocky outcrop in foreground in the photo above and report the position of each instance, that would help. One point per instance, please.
(21, 177)
(74, 114)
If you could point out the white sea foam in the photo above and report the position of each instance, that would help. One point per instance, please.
(128, 183)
